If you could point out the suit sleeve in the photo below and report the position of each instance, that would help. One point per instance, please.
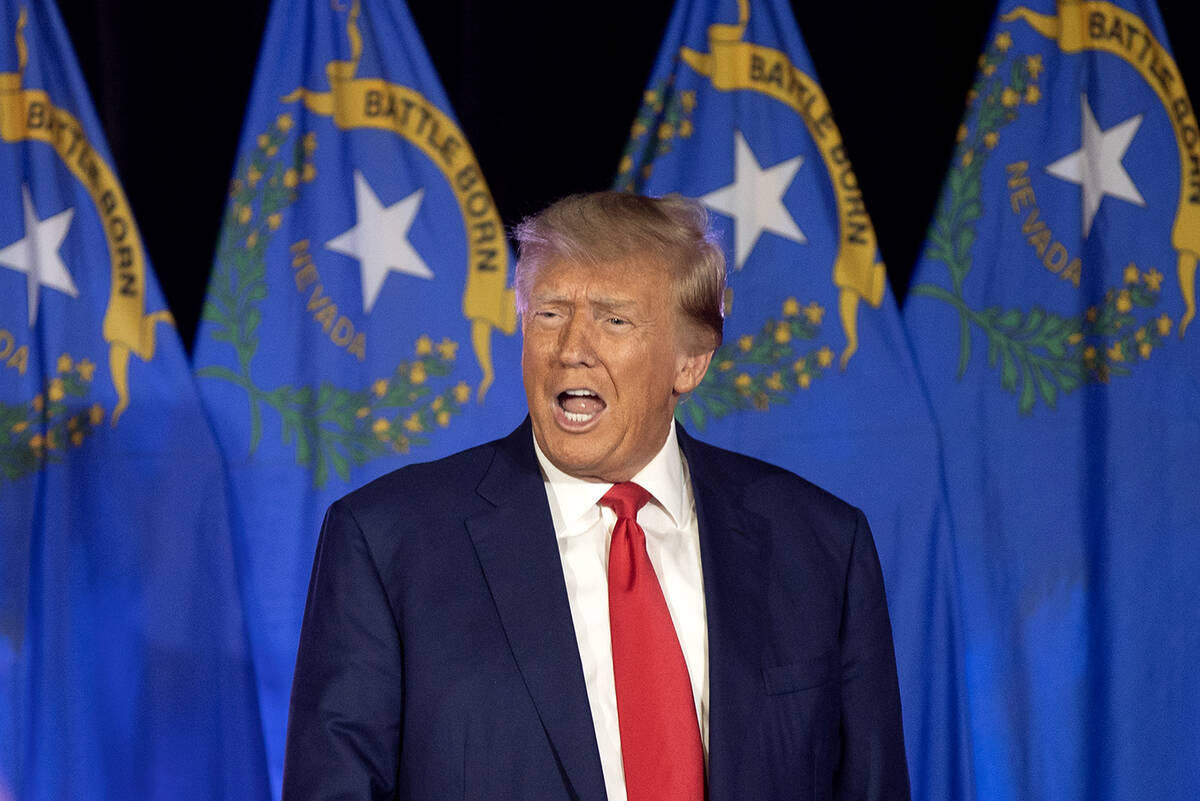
(872, 764)
(344, 723)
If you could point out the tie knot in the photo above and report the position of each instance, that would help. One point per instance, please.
(625, 499)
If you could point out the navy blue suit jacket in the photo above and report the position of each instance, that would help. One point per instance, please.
(438, 658)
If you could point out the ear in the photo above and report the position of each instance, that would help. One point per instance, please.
(690, 370)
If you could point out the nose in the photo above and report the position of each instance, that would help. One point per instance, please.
(575, 343)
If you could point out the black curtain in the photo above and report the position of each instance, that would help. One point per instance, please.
(545, 91)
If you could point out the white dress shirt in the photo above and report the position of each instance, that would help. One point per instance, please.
(584, 530)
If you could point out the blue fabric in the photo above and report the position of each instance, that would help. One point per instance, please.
(327, 356)
(1050, 330)
(124, 667)
(815, 374)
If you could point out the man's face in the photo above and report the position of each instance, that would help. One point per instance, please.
(603, 362)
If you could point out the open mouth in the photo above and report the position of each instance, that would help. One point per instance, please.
(580, 406)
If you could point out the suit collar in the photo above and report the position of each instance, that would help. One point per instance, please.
(515, 543)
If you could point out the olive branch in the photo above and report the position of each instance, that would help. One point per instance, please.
(663, 115)
(758, 370)
(40, 430)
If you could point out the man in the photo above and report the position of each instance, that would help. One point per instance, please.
(470, 633)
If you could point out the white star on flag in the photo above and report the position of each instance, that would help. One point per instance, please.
(380, 239)
(36, 254)
(755, 200)
(1096, 165)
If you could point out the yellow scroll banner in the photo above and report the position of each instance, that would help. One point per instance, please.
(354, 103)
(1101, 26)
(734, 65)
(30, 115)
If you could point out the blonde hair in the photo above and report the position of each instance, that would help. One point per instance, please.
(604, 227)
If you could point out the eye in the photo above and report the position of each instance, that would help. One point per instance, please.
(617, 321)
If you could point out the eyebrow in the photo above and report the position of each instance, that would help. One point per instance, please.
(603, 302)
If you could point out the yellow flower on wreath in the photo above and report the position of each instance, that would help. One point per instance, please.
(462, 392)
(417, 375)
(1153, 280)
(814, 312)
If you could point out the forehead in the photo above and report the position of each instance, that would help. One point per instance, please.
(633, 280)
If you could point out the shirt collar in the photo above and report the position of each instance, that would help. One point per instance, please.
(575, 500)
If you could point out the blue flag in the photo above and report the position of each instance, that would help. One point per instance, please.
(359, 314)
(1053, 316)
(815, 373)
(124, 668)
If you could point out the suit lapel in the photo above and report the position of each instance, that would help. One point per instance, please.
(518, 551)
(734, 558)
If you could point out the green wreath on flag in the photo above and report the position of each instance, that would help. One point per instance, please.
(1040, 354)
(328, 426)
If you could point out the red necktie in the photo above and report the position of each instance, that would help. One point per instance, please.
(660, 739)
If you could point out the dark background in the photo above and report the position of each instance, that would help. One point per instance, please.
(545, 91)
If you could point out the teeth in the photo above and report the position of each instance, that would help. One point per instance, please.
(577, 418)
(579, 392)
